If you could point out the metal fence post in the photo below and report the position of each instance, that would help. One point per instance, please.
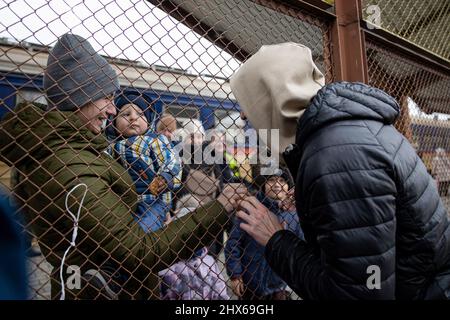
(348, 42)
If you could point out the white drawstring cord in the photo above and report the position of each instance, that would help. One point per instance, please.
(74, 234)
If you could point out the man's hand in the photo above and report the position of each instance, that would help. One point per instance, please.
(158, 185)
(231, 195)
(237, 285)
(258, 221)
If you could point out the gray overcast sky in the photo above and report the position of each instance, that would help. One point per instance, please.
(128, 29)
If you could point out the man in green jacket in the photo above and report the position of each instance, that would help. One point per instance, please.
(60, 154)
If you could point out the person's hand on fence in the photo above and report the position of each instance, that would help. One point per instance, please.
(237, 285)
(231, 195)
(157, 185)
(258, 221)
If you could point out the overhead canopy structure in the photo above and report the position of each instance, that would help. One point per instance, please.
(399, 76)
(242, 27)
(425, 23)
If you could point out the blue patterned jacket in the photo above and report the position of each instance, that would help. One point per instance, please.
(146, 157)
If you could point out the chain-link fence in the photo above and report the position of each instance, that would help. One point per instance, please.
(422, 92)
(424, 23)
(165, 66)
(136, 236)
(419, 85)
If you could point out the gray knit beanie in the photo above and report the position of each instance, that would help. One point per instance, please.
(76, 74)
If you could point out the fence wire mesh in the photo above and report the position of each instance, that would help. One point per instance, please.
(137, 236)
(173, 60)
(422, 92)
(424, 23)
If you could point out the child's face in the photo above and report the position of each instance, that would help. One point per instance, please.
(276, 188)
(131, 121)
(168, 131)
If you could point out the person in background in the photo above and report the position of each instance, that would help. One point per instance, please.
(228, 166)
(440, 170)
(199, 179)
(167, 125)
(251, 276)
(229, 131)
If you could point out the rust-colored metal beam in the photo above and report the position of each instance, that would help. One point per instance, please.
(404, 46)
(318, 8)
(348, 42)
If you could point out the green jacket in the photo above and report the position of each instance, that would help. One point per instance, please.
(54, 152)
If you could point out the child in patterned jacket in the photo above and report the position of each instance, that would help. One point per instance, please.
(148, 157)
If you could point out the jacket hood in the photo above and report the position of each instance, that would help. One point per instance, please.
(32, 133)
(274, 87)
(344, 101)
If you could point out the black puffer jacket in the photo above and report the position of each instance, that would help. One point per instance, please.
(364, 198)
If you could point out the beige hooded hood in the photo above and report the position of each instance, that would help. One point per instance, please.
(274, 87)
